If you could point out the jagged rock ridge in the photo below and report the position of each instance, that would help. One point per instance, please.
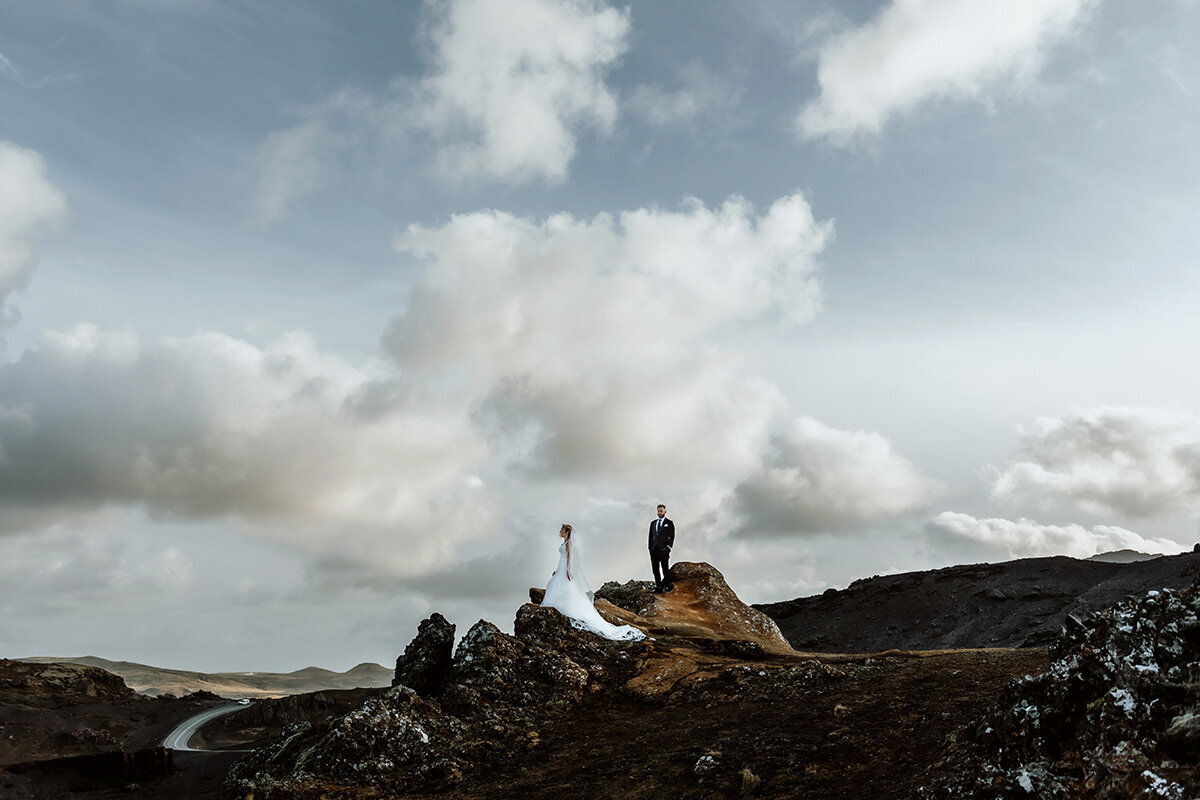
(496, 693)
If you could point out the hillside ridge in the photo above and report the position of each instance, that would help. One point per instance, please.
(1020, 603)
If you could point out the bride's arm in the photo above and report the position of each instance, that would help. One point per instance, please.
(568, 559)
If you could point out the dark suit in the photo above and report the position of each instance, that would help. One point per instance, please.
(660, 540)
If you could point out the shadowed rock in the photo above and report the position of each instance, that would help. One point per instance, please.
(426, 660)
(496, 694)
(112, 768)
(1018, 603)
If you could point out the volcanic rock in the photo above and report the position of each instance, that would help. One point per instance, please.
(1112, 717)
(606, 662)
(490, 667)
(496, 693)
(426, 660)
(633, 596)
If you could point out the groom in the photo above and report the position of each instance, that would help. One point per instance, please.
(662, 538)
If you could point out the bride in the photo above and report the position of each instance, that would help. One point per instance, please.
(569, 592)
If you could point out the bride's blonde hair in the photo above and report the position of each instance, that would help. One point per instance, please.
(565, 529)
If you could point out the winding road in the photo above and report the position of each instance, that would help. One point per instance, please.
(178, 739)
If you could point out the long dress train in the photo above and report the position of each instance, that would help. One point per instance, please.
(573, 597)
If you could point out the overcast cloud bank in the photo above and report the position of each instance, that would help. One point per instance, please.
(298, 444)
(818, 479)
(1137, 462)
(1025, 538)
(509, 370)
(595, 342)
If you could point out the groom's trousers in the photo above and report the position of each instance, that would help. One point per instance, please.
(659, 562)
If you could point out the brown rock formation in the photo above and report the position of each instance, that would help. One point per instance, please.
(702, 606)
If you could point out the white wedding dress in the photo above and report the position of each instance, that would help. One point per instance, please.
(573, 597)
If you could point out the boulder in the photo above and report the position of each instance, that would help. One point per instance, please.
(492, 669)
(702, 606)
(426, 661)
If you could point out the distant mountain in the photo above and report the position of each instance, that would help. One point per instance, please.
(157, 680)
(1123, 556)
(1019, 603)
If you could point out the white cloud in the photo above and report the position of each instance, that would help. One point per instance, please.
(1139, 462)
(298, 445)
(513, 80)
(511, 86)
(914, 51)
(28, 204)
(593, 342)
(1025, 538)
(816, 479)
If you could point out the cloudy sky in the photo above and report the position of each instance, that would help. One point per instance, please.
(318, 317)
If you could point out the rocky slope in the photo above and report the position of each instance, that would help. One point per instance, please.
(52, 710)
(1117, 714)
(1011, 604)
(158, 680)
(262, 721)
(716, 705)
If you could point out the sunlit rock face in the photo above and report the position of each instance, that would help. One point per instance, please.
(701, 606)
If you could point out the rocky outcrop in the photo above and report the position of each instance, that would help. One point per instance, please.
(497, 693)
(633, 596)
(426, 661)
(59, 680)
(607, 663)
(492, 668)
(702, 607)
(1115, 715)
(283, 711)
